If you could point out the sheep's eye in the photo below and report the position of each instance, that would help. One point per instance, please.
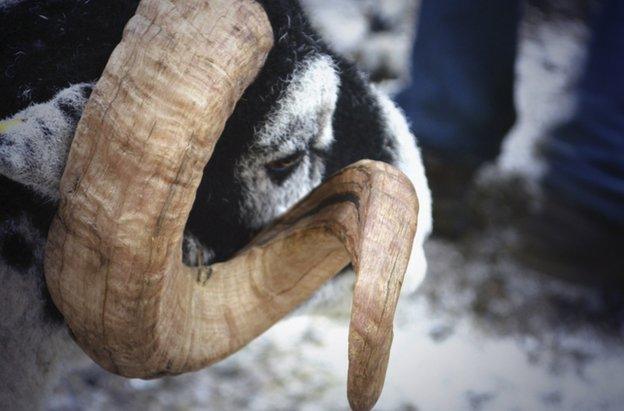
(285, 163)
(282, 167)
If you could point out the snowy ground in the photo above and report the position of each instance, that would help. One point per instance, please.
(484, 332)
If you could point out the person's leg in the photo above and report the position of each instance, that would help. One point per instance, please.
(460, 100)
(586, 154)
(582, 223)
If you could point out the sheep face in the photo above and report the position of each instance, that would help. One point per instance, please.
(307, 115)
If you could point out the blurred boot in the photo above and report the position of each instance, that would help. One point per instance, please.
(570, 243)
(460, 100)
(451, 187)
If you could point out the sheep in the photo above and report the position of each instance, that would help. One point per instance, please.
(308, 114)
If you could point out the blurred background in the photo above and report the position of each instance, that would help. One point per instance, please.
(518, 107)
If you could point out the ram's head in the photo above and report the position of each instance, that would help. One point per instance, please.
(145, 180)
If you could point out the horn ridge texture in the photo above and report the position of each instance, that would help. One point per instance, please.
(113, 261)
(146, 134)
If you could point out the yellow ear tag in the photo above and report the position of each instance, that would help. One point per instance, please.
(6, 126)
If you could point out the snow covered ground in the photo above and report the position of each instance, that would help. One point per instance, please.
(484, 332)
(376, 34)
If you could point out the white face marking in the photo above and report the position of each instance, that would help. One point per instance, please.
(301, 122)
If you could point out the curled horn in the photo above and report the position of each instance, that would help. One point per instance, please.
(114, 253)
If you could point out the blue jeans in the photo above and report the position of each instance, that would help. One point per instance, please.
(586, 154)
(460, 102)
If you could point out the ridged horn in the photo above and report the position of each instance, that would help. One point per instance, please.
(114, 253)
